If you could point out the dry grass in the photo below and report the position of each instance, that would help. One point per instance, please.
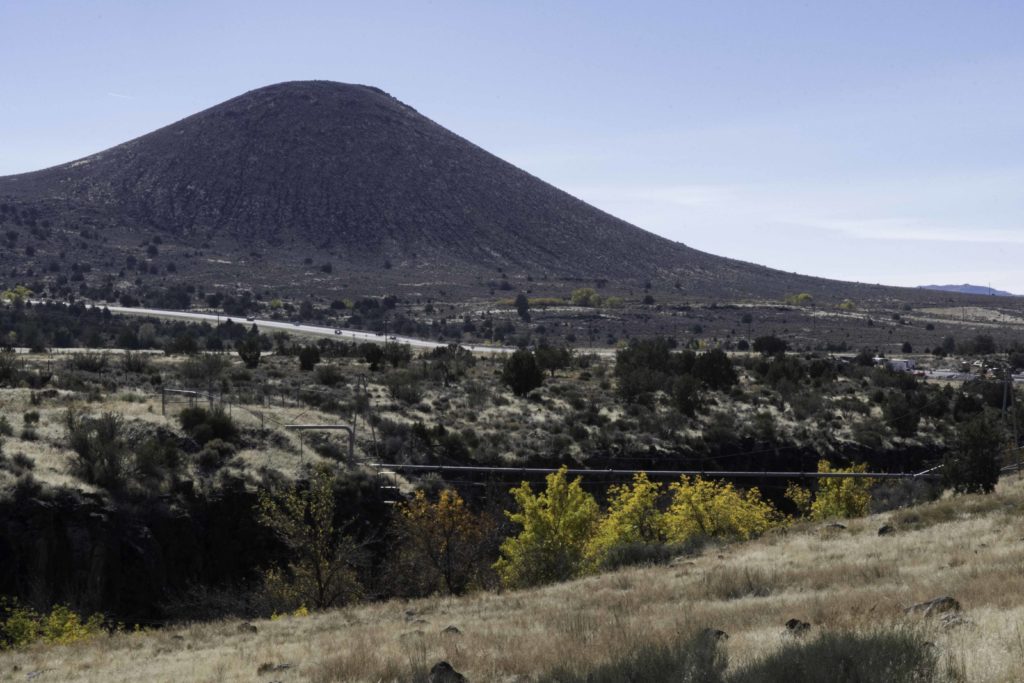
(971, 548)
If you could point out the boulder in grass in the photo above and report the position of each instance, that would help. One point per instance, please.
(442, 672)
(797, 627)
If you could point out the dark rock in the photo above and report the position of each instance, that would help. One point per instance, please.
(835, 526)
(886, 530)
(451, 631)
(797, 627)
(442, 672)
(714, 634)
(270, 667)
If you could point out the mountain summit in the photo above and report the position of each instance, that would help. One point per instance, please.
(350, 175)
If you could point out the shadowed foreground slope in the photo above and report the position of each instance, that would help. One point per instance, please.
(843, 581)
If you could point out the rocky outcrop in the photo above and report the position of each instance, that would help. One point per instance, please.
(125, 560)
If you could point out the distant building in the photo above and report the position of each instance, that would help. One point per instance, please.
(901, 364)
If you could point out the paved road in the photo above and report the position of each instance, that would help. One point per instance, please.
(332, 332)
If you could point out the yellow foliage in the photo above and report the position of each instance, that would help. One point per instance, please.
(633, 517)
(841, 497)
(801, 497)
(443, 543)
(801, 299)
(300, 611)
(847, 305)
(557, 525)
(16, 294)
(702, 507)
(585, 296)
(21, 626)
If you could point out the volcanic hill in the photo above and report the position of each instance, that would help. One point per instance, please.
(266, 189)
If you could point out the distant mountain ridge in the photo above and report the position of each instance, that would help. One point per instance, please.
(968, 289)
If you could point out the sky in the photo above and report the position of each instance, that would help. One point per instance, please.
(879, 142)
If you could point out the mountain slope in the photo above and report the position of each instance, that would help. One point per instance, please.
(839, 580)
(350, 175)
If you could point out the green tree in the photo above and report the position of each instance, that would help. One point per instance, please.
(973, 464)
(715, 369)
(556, 526)
(902, 414)
(521, 372)
(770, 345)
(309, 356)
(523, 306)
(552, 358)
(321, 571)
(249, 349)
(686, 395)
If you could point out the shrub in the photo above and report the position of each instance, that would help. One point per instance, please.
(309, 356)
(214, 454)
(404, 386)
(441, 546)
(702, 507)
(321, 570)
(10, 367)
(89, 362)
(329, 375)
(521, 373)
(204, 426)
(22, 626)
(770, 345)
(881, 657)
(556, 526)
(5, 426)
(684, 658)
(973, 464)
(102, 456)
(585, 296)
(715, 369)
(841, 497)
(134, 362)
(633, 517)
(249, 350)
(205, 368)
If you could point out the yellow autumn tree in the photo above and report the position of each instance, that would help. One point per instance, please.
(556, 526)
(321, 570)
(836, 496)
(702, 507)
(440, 546)
(633, 517)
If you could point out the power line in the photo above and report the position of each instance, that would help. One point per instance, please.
(723, 474)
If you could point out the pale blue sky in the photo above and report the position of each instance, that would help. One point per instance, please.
(870, 141)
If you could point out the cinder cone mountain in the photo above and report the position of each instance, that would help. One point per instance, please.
(347, 174)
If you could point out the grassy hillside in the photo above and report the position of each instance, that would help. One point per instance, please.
(839, 580)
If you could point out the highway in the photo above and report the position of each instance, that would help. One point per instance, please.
(318, 330)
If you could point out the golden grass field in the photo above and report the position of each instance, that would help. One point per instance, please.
(971, 548)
